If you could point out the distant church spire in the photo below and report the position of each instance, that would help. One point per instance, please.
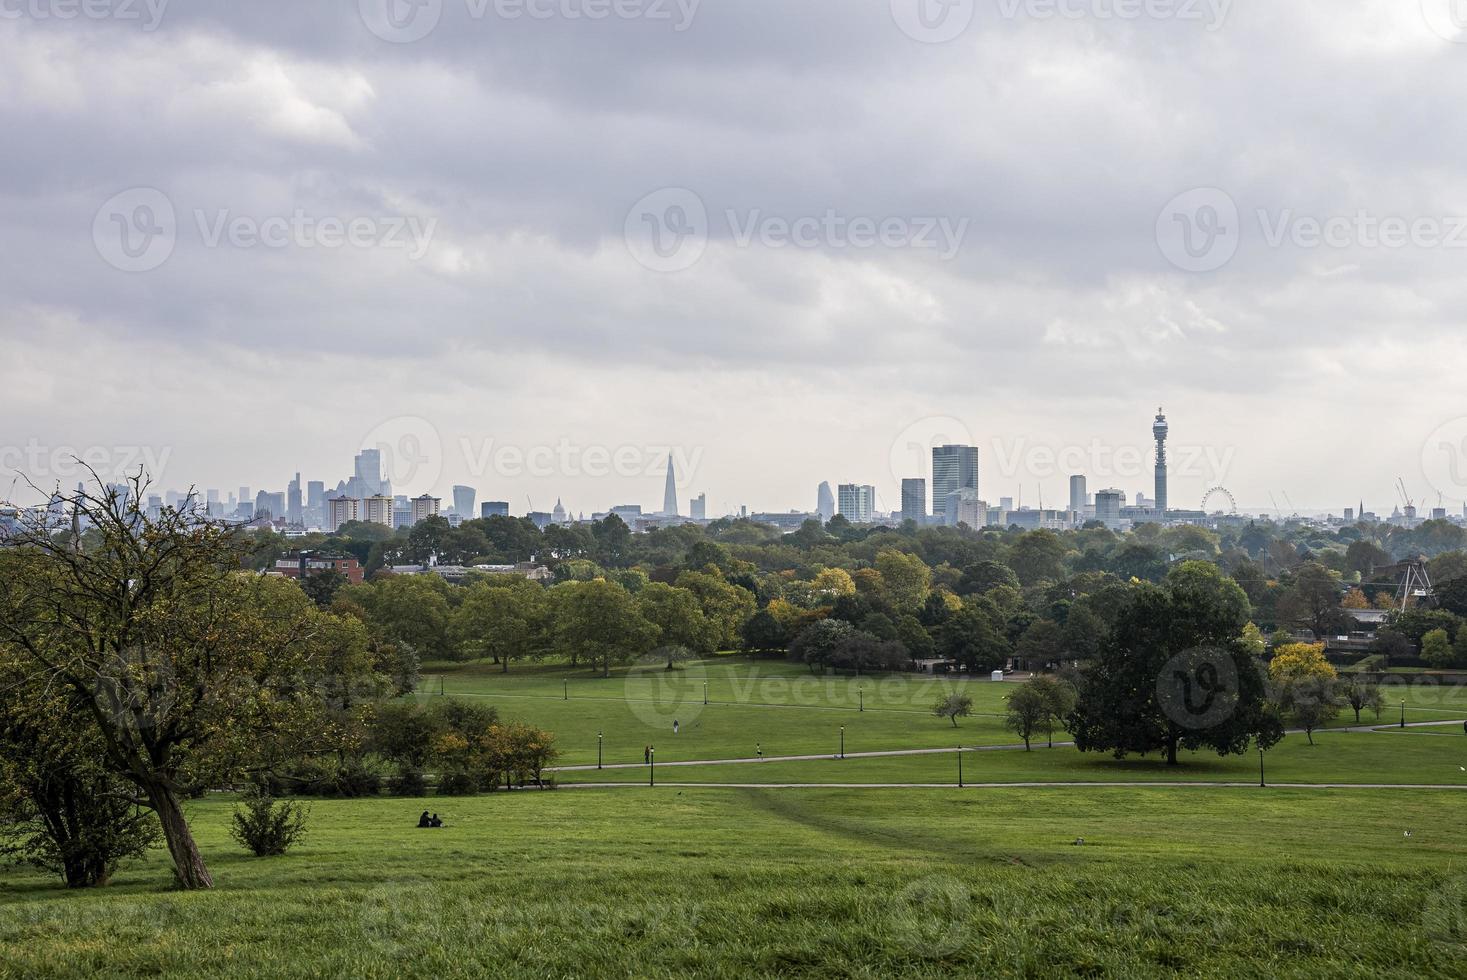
(669, 495)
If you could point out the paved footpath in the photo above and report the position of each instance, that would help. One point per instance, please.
(944, 751)
(1057, 785)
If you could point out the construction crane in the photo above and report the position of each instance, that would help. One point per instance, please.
(1401, 489)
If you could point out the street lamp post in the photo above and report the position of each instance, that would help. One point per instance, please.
(1261, 783)
(861, 694)
(960, 767)
(705, 692)
(1403, 712)
(564, 689)
(651, 767)
(598, 750)
(843, 741)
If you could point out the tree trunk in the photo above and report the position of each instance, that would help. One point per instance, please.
(188, 864)
(505, 668)
(1171, 750)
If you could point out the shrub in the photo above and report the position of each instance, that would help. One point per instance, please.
(265, 827)
(457, 784)
(409, 782)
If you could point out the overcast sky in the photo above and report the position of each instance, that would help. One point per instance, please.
(788, 240)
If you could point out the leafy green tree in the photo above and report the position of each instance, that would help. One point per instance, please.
(1025, 713)
(1360, 694)
(763, 632)
(61, 809)
(1037, 556)
(411, 609)
(1313, 600)
(186, 668)
(952, 707)
(598, 621)
(503, 622)
(1309, 700)
(1121, 706)
(974, 639)
(678, 617)
(727, 607)
(818, 642)
(907, 579)
(1436, 649)
(322, 586)
(982, 576)
(1058, 697)
(1042, 644)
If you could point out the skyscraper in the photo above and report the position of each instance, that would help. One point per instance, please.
(377, 509)
(294, 509)
(425, 507)
(463, 502)
(369, 472)
(1077, 494)
(494, 508)
(857, 503)
(825, 503)
(1159, 430)
(1108, 507)
(914, 500)
(698, 507)
(669, 492)
(954, 468)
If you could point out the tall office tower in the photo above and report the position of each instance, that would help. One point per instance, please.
(377, 509)
(463, 502)
(698, 507)
(294, 509)
(270, 504)
(1077, 494)
(244, 495)
(424, 507)
(954, 468)
(1349, 515)
(341, 510)
(669, 492)
(1159, 430)
(914, 500)
(857, 503)
(368, 466)
(494, 508)
(825, 503)
(1108, 507)
(1005, 504)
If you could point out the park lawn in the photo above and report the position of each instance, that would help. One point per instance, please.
(1337, 757)
(781, 707)
(778, 707)
(665, 882)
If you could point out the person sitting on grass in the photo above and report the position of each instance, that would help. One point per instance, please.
(423, 821)
(435, 822)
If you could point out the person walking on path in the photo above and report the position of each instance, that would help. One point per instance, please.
(674, 726)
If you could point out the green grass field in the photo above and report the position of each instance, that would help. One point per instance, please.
(663, 882)
(819, 881)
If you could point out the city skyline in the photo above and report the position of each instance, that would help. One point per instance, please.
(535, 314)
